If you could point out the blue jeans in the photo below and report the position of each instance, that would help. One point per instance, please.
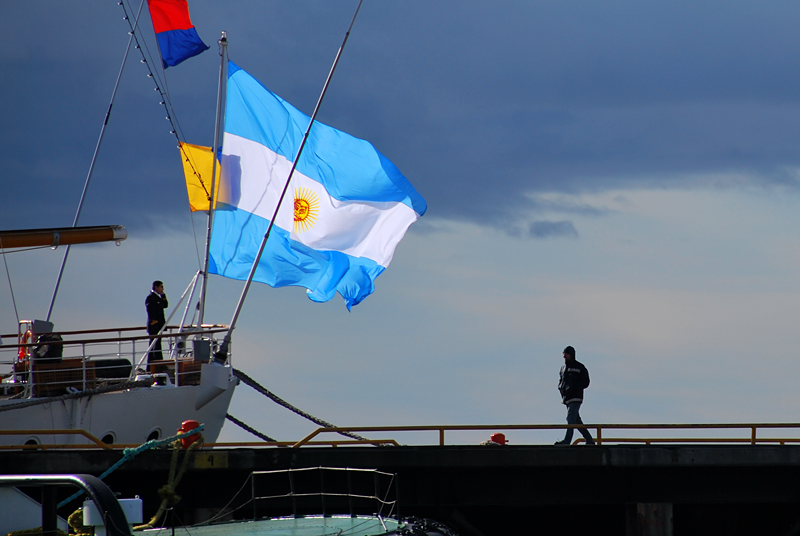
(573, 417)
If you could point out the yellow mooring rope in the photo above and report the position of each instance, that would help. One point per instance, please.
(167, 492)
(75, 520)
(37, 531)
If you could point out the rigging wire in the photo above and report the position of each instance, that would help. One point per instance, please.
(4, 253)
(159, 77)
(8, 276)
(222, 354)
(94, 159)
(224, 510)
(133, 36)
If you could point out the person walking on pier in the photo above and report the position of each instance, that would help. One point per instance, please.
(573, 378)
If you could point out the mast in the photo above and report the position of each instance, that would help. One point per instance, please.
(223, 44)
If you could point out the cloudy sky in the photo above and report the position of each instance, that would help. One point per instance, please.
(618, 176)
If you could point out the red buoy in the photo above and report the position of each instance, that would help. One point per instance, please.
(498, 438)
(188, 426)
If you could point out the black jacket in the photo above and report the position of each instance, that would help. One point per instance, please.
(155, 305)
(573, 378)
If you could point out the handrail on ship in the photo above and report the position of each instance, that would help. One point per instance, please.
(75, 366)
(134, 328)
(189, 330)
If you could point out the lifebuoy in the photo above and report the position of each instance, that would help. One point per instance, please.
(25, 339)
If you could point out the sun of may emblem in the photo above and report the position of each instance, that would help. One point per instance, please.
(306, 209)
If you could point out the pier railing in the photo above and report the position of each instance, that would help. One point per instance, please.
(747, 433)
(604, 434)
(93, 442)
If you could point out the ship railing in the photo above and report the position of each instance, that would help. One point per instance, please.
(325, 490)
(87, 359)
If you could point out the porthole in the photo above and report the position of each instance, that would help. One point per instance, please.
(154, 435)
(108, 439)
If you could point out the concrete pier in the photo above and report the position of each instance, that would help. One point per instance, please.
(496, 490)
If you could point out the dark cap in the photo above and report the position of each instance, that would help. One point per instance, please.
(570, 351)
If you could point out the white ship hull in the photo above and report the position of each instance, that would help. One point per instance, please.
(129, 417)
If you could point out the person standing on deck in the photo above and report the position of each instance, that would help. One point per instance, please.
(573, 379)
(155, 303)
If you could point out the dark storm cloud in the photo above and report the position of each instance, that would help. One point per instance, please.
(515, 98)
(482, 106)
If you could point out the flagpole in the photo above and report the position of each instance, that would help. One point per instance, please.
(222, 355)
(221, 86)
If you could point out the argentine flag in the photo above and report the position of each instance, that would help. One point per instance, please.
(345, 211)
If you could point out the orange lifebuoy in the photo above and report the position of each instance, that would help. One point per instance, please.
(25, 339)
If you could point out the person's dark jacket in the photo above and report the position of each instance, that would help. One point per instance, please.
(572, 380)
(155, 305)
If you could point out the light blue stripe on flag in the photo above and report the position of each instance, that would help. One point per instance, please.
(285, 261)
(351, 169)
(345, 211)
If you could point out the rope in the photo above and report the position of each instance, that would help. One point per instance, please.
(167, 492)
(278, 400)
(37, 531)
(75, 521)
(89, 392)
(129, 454)
(250, 429)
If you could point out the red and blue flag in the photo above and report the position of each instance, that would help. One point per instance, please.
(177, 37)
